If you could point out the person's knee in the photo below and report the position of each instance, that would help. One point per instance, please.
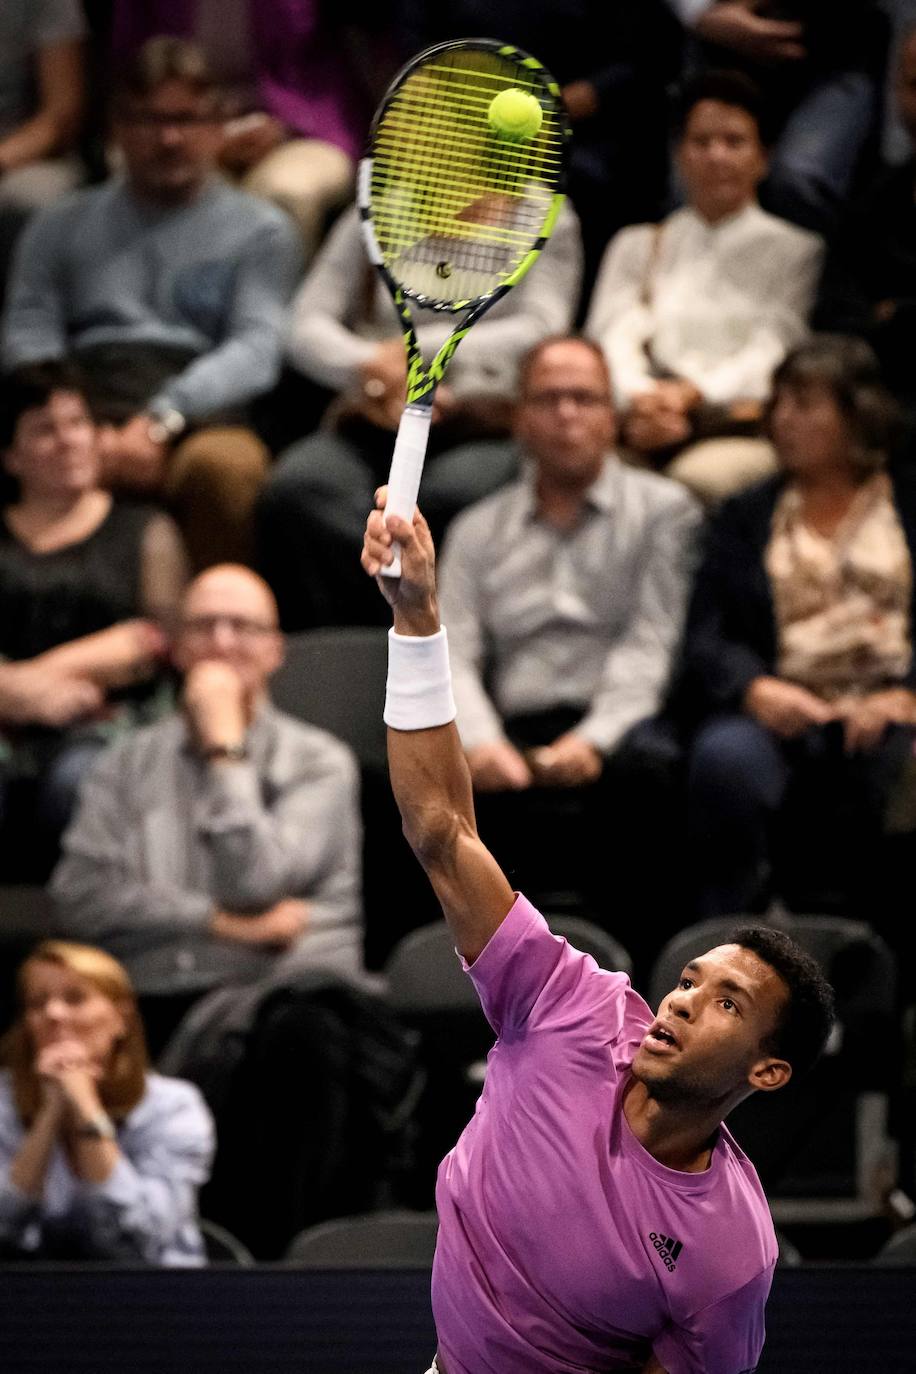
(715, 469)
(220, 458)
(304, 170)
(726, 758)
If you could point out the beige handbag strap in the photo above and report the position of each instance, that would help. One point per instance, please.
(655, 252)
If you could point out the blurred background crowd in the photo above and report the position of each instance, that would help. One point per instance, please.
(672, 480)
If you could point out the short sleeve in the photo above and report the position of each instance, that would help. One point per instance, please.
(527, 978)
(725, 1338)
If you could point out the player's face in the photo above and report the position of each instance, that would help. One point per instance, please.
(170, 140)
(565, 418)
(230, 615)
(54, 450)
(721, 159)
(706, 1045)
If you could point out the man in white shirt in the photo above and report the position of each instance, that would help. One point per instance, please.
(693, 314)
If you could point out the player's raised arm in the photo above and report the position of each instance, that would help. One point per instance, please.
(431, 782)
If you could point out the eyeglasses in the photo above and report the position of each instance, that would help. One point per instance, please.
(202, 626)
(583, 400)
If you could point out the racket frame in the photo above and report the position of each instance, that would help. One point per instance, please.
(413, 431)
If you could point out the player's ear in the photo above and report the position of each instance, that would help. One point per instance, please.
(766, 1075)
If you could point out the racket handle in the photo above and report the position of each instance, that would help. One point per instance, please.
(406, 470)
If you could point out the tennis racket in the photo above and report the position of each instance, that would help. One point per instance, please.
(455, 210)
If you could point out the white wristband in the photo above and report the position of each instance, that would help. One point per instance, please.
(419, 688)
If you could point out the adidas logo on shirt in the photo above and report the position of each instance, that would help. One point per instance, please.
(668, 1249)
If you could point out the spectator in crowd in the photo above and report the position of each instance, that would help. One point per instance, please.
(869, 282)
(99, 1158)
(614, 63)
(563, 595)
(223, 843)
(169, 287)
(694, 313)
(88, 587)
(799, 664)
(896, 145)
(821, 68)
(297, 106)
(346, 337)
(42, 101)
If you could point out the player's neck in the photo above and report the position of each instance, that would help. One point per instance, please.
(678, 1136)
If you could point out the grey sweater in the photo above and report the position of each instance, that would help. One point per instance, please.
(213, 277)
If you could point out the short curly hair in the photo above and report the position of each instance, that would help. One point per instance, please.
(725, 87)
(848, 368)
(31, 387)
(809, 1011)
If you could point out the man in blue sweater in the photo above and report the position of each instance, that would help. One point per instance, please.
(169, 287)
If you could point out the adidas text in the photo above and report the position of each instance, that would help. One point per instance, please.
(668, 1249)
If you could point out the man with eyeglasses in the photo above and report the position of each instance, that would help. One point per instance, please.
(564, 595)
(223, 843)
(169, 287)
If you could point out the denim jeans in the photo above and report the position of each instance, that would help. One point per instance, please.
(739, 780)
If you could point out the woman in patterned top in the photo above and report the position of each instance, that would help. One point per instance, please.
(799, 646)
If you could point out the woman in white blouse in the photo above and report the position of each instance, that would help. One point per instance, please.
(694, 313)
(99, 1157)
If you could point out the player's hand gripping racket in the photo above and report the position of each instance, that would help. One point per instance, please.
(458, 193)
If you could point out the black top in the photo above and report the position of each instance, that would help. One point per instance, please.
(47, 599)
(731, 635)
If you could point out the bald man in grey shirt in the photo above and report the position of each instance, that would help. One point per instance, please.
(222, 844)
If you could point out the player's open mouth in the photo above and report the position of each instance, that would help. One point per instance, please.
(659, 1037)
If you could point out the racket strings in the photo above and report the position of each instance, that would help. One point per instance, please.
(457, 206)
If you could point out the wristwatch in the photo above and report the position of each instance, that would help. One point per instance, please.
(165, 426)
(97, 1127)
(234, 752)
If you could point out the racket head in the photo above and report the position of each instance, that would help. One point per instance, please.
(455, 212)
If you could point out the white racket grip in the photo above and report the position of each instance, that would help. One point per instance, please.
(406, 470)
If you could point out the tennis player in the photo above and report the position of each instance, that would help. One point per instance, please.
(595, 1214)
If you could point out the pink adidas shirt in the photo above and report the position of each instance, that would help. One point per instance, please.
(564, 1246)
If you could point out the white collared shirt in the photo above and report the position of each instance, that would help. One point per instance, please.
(540, 617)
(725, 302)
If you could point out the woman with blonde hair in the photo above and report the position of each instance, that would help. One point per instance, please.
(100, 1158)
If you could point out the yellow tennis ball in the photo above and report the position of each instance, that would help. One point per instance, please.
(515, 114)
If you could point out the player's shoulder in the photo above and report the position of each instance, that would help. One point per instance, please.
(302, 739)
(780, 234)
(741, 1203)
(655, 492)
(65, 216)
(135, 752)
(482, 518)
(630, 245)
(251, 215)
